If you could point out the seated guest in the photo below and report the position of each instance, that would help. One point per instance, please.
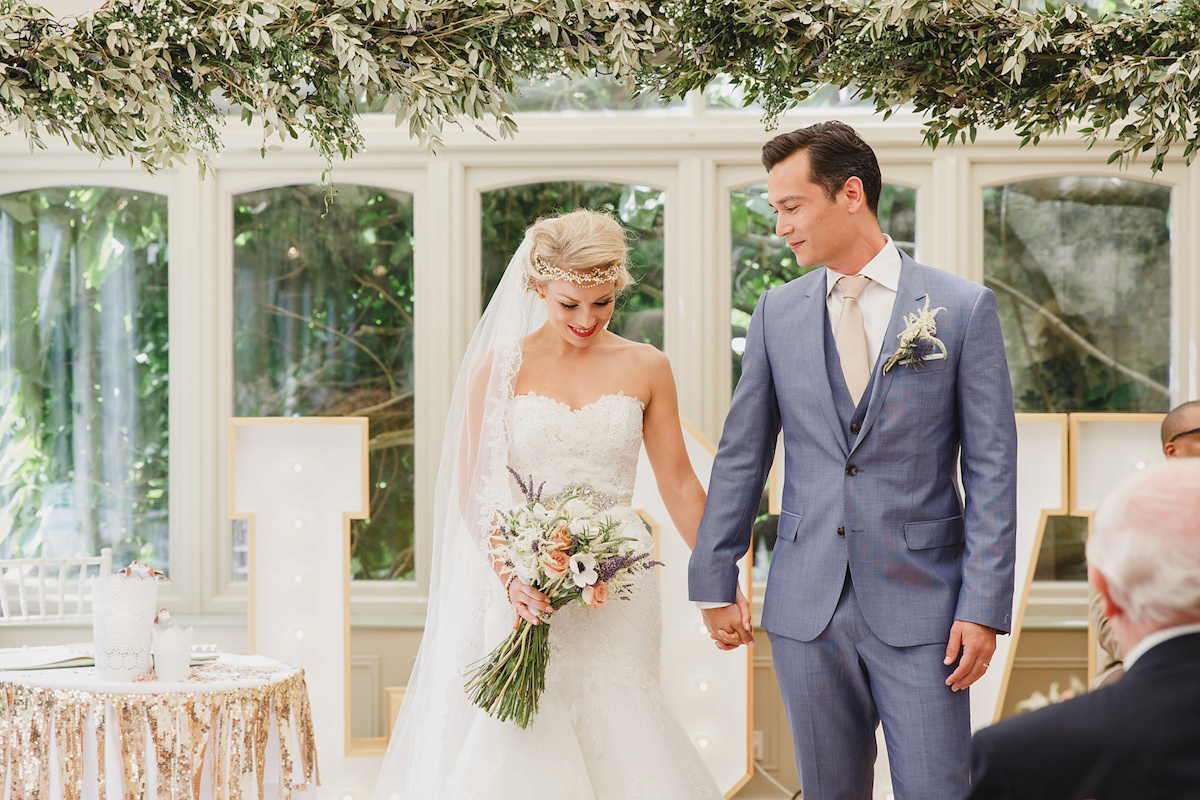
(1138, 738)
(1180, 439)
(1181, 431)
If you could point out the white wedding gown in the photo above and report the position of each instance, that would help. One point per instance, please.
(602, 731)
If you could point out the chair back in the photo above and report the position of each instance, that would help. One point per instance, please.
(49, 589)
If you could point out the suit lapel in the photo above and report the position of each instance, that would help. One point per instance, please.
(910, 296)
(813, 322)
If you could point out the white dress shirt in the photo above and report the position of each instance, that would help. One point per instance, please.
(1155, 639)
(876, 302)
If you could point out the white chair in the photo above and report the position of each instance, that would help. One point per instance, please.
(49, 589)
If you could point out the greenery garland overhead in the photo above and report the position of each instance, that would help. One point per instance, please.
(151, 78)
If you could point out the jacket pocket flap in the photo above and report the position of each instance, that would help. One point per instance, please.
(933, 533)
(789, 525)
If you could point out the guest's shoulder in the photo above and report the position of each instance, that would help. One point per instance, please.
(1073, 723)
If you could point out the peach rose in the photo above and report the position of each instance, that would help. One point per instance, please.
(596, 594)
(562, 538)
(555, 562)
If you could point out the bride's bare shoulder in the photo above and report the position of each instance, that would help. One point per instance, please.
(639, 355)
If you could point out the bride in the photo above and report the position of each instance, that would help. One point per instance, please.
(547, 391)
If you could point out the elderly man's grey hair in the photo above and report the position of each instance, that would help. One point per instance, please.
(1146, 544)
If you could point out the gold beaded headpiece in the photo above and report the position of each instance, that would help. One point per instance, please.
(606, 274)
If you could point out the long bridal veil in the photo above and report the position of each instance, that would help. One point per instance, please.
(472, 481)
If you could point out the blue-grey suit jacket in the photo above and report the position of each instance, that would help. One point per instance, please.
(921, 550)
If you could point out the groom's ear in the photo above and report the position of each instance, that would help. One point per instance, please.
(856, 197)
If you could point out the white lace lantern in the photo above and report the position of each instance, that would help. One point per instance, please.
(123, 609)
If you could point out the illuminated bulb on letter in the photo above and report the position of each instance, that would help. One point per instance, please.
(703, 630)
(299, 579)
(702, 686)
(1141, 465)
(300, 633)
(299, 524)
(702, 742)
(298, 466)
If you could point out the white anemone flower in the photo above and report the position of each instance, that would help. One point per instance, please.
(580, 527)
(583, 569)
(575, 508)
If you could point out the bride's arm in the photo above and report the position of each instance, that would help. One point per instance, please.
(678, 485)
(663, 436)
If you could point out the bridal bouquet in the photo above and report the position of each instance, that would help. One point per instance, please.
(570, 553)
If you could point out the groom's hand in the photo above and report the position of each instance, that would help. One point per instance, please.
(730, 626)
(977, 643)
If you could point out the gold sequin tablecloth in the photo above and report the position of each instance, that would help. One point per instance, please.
(239, 728)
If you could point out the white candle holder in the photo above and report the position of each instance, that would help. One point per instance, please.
(123, 608)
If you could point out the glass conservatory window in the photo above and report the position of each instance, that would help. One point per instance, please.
(84, 374)
(1081, 268)
(323, 326)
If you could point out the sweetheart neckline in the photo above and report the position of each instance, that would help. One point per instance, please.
(585, 406)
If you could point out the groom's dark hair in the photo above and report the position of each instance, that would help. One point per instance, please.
(836, 153)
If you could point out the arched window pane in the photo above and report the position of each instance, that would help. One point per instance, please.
(83, 374)
(323, 326)
(1081, 268)
(508, 212)
(760, 260)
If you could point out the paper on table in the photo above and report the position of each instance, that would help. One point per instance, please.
(46, 657)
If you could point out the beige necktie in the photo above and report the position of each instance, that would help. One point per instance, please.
(851, 337)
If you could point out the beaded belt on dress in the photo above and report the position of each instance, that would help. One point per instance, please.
(596, 500)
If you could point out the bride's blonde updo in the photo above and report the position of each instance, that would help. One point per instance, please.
(583, 247)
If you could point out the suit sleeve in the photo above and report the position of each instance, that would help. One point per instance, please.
(988, 436)
(738, 474)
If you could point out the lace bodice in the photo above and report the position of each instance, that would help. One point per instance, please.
(595, 446)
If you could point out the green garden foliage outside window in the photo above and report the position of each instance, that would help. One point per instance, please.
(83, 374)
(1081, 268)
(323, 326)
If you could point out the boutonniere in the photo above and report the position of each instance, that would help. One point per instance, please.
(918, 340)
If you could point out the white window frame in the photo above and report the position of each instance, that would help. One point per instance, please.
(695, 156)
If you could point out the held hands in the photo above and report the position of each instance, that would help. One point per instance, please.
(730, 626)
(530, 604)
(977, 643)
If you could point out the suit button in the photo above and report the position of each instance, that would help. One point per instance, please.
(841, 531)
(851, 470)
(855, 427)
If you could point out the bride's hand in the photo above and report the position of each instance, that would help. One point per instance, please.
(528, 602)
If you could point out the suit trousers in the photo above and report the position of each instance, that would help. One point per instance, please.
(840, 685)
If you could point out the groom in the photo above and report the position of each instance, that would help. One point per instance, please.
(889, 582)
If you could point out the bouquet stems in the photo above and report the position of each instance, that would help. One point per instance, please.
(511, 679)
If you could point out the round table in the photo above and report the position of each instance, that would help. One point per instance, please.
(239, 727)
